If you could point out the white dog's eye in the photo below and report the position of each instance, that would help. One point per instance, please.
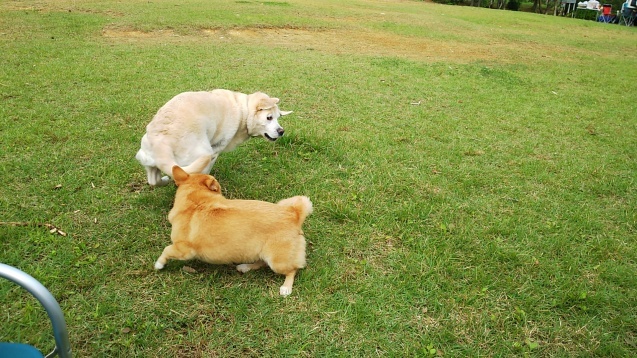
(269, 117)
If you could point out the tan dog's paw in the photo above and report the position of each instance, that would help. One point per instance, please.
(158, 265)
(285, 291)
(243, 268)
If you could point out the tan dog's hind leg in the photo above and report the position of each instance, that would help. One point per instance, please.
(247, 267)
(174, 252)
(286, 289)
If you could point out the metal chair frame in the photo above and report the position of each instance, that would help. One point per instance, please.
(628, 20)
(628, 13)
(51, 306)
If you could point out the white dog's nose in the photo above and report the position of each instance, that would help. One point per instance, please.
(280, 131)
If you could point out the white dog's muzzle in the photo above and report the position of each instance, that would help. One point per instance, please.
(279, 133)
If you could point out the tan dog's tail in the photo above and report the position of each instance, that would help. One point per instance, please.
(301, 205)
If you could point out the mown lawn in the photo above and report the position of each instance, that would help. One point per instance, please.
(473, 173)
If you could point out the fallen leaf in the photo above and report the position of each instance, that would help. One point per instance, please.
(189, 269)
(126, 330)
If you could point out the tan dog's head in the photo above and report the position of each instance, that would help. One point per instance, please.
(202, 180)
(264, 116)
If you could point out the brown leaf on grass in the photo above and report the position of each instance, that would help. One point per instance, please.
(135, 187)
(52, 228)
(189, 269)
(126, 330)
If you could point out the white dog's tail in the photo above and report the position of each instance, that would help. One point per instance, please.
(198, 165)
(301, 205)
(166, 164)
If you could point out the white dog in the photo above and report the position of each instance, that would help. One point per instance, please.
(192, 129)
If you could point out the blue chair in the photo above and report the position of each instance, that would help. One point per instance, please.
(628, 13)
(52, 308)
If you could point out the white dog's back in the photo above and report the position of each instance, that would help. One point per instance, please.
(192, 128)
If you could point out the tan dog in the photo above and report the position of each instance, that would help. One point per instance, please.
(193, 128)
(211, 228)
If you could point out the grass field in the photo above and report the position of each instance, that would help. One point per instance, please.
(473, 173)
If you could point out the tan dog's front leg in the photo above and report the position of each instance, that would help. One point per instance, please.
(173, 252)
(286, 289)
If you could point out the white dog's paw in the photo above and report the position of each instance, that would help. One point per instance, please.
(165, 180)
(243, 268)
(158, 265)
(285, 291)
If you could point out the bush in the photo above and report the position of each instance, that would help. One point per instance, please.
(513, 5)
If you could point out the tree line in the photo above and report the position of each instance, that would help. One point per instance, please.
(549, 7)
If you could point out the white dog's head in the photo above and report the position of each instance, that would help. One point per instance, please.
(263, 120)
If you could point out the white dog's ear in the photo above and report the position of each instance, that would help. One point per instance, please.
(285, 113)
(267, 103)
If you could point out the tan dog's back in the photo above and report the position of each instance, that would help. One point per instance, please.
(209, 227)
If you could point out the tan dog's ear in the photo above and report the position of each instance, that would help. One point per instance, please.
(213, 184)
(267, 103)
(179, 175)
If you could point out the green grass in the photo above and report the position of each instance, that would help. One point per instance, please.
(473, 173)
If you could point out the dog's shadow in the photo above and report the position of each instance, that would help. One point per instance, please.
(222, 274)
(259, 167)
(248, 162)
(154, 199)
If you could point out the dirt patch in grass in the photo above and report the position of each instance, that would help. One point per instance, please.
(334, 41)
(358, 42)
